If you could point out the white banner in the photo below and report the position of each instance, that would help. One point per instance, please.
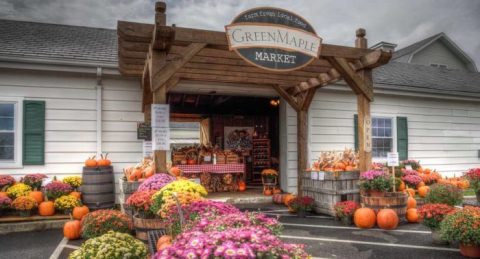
(273, 36)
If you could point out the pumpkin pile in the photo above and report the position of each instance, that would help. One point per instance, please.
(141, 171)
(102, 161)
(336, 161)
(367, 218)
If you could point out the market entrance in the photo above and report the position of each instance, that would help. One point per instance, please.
(224, 130)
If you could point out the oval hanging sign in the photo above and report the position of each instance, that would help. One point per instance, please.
(273, 39)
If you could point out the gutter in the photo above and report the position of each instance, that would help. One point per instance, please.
(99, 88)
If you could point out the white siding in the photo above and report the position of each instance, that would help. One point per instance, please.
(438, 53)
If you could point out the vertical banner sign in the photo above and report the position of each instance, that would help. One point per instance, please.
(273, 39)
(367, 126)
(160, 127)
(147, 148)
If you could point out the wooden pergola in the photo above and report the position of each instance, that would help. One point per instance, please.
(163, 55)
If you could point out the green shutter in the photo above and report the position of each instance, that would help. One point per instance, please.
(402, 138)
(34, 132)
(355, 130)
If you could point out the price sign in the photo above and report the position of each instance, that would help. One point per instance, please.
(144, 131)
(160, 116)
(147, 148)
(392, 159)
(314, 175)
(321, 176)
(161, 139)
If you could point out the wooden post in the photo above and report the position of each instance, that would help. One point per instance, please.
(363, 106)
(302, 142)
(157, 62)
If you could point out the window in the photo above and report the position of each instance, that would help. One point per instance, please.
(10, 132)
(382, 136)
(438, 65)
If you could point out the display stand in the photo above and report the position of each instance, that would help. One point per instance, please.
(260, 157)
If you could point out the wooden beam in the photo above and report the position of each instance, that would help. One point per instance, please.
(171, 83)
(302, 147)
(308, 98)
(162, 76)
(351, 77)
(290, 100)
(225, 78)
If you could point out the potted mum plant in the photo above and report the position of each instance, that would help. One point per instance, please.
(301, 205)
(344, 211)
(463, 226)
(473, 175)
(411, 178)
(57, 189)
(5, 203)
(24, 205)
(375, 183)
(5, 182)
(431, 215)
(445, 194)
(269, 175)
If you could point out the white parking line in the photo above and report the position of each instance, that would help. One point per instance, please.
(293, 215)
(71, 246)
(371, 243)
(56, 253)
(354, 228)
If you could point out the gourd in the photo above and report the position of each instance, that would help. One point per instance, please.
(242, 186)
(387, 219)
(364, 218)
(37, 196)
(104, 161)
(411, 192)
(288, 198)
(423, 191)
(420, 184)
(401, 187)
(46, 208)
(412, 215)
(76, 194)
(91, 162)
(276, 190)
(71, 229)
(80, 211)
(175, 171)
(163, 242)
(411, 203)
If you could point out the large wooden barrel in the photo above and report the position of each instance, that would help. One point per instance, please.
(98, 188)
(396, 201)
(142, 226)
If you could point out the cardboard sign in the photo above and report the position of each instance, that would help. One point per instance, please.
(392, 159)
(367, 125)
(147, 148)
(160, 116)
(161, 139)
(273, 39)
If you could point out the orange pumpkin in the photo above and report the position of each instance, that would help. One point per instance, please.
(104, 161)
(162, 241)
(412, 215)
(137, 173)
(411, 192)
(423, 191)
(340, 166)
(76, 194)
(349, 168)
(421, 184)
(411, 203)
(267, 192)
(387, 219)
(364, 218)
(148, 172)
(288, 198)
(46, 208)
(91, 162)
(175, 171)
(242, 186)
(276, 190)
(36, 195)
(71, 229)
(401, 187)
(79, 212)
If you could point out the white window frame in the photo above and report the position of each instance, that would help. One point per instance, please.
(18, 129)
(394, 136)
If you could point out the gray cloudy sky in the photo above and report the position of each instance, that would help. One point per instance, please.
(398, 21)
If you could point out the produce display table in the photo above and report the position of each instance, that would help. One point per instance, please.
(216, 178)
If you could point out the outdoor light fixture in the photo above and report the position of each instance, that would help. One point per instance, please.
(274, 102)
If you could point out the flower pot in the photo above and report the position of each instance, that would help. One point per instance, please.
(437, 239)
(301, 213)
(347, 221)
(375, 193)
(24, 213)
(472, 251)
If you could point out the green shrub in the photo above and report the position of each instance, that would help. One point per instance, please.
(445, 194)
(462, 226)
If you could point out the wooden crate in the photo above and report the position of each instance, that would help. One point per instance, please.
(126, 189)
(336, 186)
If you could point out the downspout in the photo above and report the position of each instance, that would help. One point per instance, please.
(99, 87)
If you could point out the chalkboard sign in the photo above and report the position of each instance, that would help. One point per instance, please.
(144, 131)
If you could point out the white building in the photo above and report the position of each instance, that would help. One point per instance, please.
(62, 100)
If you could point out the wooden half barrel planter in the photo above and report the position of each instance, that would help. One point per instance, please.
(332, 188)
(396, 201)
(98, 188)
(142, 226)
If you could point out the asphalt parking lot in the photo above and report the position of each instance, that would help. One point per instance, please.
(324, 237)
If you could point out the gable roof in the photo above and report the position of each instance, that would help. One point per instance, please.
(418, 46)
(58, 42)
(77, 44)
